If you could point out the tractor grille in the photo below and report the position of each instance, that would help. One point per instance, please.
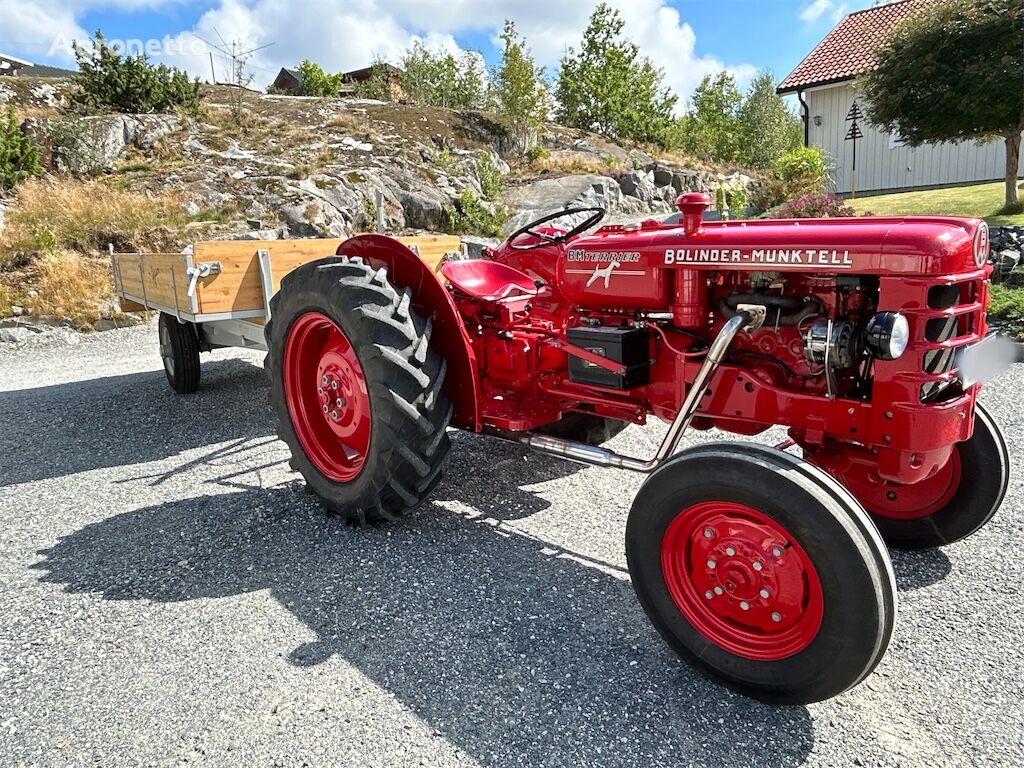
(954, 319)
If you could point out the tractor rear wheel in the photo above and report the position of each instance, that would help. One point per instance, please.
(763, 571)
(950, 505)
(357, 389)
(179, 349)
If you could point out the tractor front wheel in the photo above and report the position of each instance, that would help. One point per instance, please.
(763, 571)
(357, 389)
(952, 504)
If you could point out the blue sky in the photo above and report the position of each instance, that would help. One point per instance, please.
(687, 38)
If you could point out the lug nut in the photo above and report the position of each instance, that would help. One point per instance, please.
(334, 385)
(709, 594)
(776, 616)
(718, 590)
(711, 563)
(730, 551)
(744, 605)
(708, 533)
(334, 414)
(777, 551)
(339, 402)
(324, 379)
(756, 565)
(326, 409)
(891, 495)
(764, 593)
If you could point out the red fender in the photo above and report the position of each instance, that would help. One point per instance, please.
(430, 299)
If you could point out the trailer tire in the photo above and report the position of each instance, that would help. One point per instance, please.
(584, 428)
(356, 388)
(763, 571)
(179, 349)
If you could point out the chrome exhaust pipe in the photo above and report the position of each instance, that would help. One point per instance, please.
(748, 317)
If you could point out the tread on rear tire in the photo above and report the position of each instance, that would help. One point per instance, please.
(401, 375)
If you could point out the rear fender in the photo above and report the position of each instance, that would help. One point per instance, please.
(430, 299)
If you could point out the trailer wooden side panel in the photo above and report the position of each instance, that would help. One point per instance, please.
(157, 279)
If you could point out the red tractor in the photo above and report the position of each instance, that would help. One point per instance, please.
(769, 571)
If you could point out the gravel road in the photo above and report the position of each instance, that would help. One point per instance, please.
(171, 596)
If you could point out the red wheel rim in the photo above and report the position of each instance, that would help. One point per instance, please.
(327, 397)
(903, 502)
(741, 580)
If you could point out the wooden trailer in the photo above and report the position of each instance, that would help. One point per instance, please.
(219, 296)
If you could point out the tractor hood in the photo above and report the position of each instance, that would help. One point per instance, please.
(871, 245)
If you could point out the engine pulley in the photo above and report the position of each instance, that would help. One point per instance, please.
(831, 344)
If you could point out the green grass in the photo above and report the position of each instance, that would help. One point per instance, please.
(1006, 308)
(979, 200)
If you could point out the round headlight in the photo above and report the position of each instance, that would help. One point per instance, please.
(981, 244)
(887, 335)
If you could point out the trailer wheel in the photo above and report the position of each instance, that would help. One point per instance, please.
(584, 428)
(763, 571)
(179, 349)
(952, 504)
(357, 389)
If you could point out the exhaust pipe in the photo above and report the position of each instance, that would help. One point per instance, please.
(747, 317)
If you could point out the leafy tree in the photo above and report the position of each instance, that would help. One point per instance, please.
(378, 85)
(952, 71)
(769, 129)
(518, 90)
(316, 82)
(19, 155)
(607, 87)
(109, 82)
(714, 127)
(440, 79)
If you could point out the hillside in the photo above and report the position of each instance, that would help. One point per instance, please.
(258, 166)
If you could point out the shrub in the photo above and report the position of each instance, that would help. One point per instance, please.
(490, 178)
(537, 153)
(814, 206)
(316, 82)
(802, 171)
(19, 155)
(108, 82)
(472, 216)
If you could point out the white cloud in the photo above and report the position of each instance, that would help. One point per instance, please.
(809, 14)
(342, 36)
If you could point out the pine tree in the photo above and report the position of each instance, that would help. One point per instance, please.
(19, 155)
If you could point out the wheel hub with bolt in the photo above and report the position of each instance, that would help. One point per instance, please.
(327, 396)
(741, 580)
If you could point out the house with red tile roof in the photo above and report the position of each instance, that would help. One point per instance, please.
(825, 85)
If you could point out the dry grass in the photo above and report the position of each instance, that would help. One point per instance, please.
(573, 163)
(71, 285)
(50, 215)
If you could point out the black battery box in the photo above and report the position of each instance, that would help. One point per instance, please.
(628, 346)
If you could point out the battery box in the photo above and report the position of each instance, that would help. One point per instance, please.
(628, 346)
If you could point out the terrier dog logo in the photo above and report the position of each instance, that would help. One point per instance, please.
(605, 272)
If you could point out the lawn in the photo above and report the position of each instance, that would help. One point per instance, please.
(981, 200)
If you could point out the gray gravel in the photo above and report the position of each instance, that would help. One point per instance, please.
(170, 596)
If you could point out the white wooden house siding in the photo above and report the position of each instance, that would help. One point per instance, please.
(885, 165)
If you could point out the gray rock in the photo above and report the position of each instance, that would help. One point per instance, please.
(422, 211)
(550, 195)
(662, 176)
(639, 184)
(16, 335)
(475, 245)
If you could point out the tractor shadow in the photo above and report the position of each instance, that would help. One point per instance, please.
(113, 421)
(515, 653)
(915, 570)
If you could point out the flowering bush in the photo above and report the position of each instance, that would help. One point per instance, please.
(814, 206)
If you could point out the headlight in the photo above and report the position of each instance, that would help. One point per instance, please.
(887, 335)
(981, 244)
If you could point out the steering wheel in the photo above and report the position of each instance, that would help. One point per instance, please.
(596, 214)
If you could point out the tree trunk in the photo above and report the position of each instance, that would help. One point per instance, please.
(1012, 164)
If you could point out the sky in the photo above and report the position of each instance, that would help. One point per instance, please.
(686, 38)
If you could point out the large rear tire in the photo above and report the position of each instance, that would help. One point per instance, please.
(954, 503)
(763, 571)
(357, 389)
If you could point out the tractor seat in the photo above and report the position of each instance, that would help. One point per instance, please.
(488, 280)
